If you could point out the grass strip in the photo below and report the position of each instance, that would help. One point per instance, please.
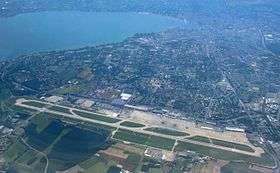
(166, 131)
(60, 109)
(34, 104)
(131, 124)
(145, 139)
(200, 139)
(96, 116)
(232, 145)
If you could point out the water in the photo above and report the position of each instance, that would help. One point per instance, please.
(33, 32)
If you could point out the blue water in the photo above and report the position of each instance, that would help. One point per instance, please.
(33, 32)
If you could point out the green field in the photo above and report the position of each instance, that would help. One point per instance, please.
(52, 115)
(232, 145)
(96, 117)
(165, 131)
(222, 143)
(24, 159)
(132, 161)
(237, 168)
(224, 154)
(5, 92)
(56, 141)
(144, 139)
(87, 125)
(200, 139)
(97, 164)
(155, 170)
(100, 167)
(35, 104)
(22, 109)
(68, 90)
(55, 165)
(131, 124)
(42, 120)
(90, 162)
(22, 112)
(28, 157)
(60, 109)
(14, 151)
(36, 167)
(52, 137)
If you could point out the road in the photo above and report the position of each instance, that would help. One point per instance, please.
(20, 102)
(43, 154)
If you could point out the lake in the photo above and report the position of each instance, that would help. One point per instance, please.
(44, 31)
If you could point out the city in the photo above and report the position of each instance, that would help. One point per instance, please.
(201, 98)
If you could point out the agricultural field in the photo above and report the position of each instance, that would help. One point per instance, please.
(224, 154)
(132, 161)
(41, 140)
(166, 131)
(73, 142)
(112, 156)
(144, 139)
(97, 164)
(15, 151)
(237, 168)
(210, 166)
(130, 156)
(64, 145)
(132, 124)
(22, 158)
(96, 116)
(74, 147)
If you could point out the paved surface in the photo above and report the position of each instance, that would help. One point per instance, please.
(20, 102)
(42, 153)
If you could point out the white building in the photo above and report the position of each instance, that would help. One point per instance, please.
(235, 129)
(125, 96)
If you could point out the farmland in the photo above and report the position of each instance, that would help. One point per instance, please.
(224, 154)
(63, 144)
